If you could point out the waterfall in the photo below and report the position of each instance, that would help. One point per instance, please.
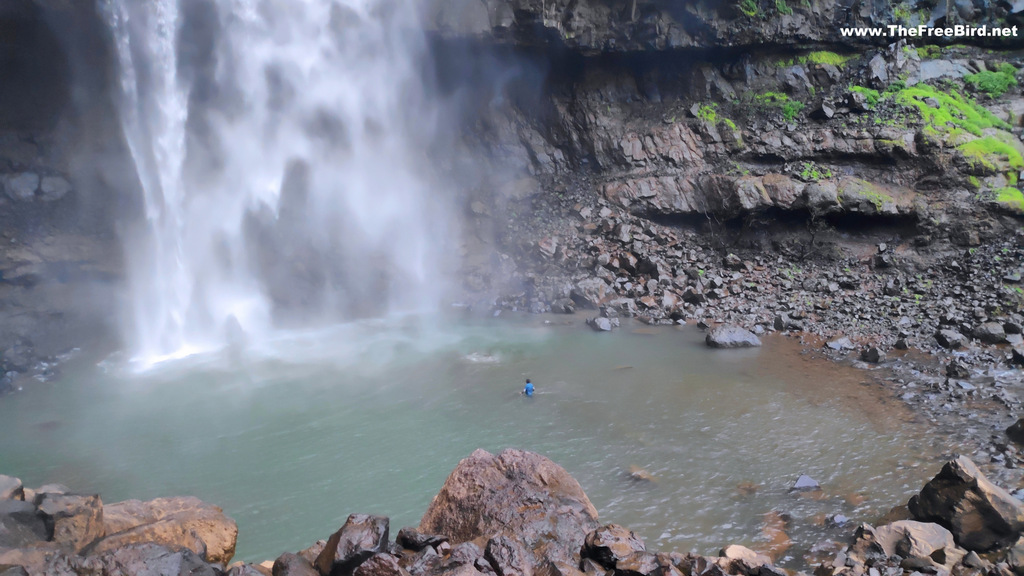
(281, 148)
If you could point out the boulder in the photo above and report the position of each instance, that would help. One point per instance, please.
(980, 515)
(610, 544)
(872, 354)
(637, 564)
(840, 344)
(519, 494)
(1016, 431)
(381, 565)
(77, 521)
(137, 560)
(21, 524)
(743, 560)
(33, 559)
(361, 537)
(182, 522)
(412, 539)
(731, 336)
(990, 333)
(950, 339)
(21, 186)
(289, 564)
(11, 488)
(602, 324)
(508, 556)
(248, 570)
(53, 188)
(920, 541)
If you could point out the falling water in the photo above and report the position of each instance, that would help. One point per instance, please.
(281, 150)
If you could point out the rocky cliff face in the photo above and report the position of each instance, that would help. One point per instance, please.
(631, 147)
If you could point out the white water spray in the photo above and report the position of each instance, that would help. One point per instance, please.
(280, 146)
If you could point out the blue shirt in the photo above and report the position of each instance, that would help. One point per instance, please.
(528, 390)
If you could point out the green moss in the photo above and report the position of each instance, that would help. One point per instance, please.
(825, 57)
(984, 152)
(782, 7)
(749, 8)
(928, 52)
(862, 190)
(974, 182)
(871, 96)
(954, 111)
(790, 108)
(1010, 198)
(729, 123)
(994, 83)
(901, 13)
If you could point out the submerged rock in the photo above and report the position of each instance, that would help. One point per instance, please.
(981, 515)
(11, 488)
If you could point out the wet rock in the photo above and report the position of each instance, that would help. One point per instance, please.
(514, 493)
(1016, 431)
(53, 188)
(182, 522)
(381, 565)
(602, 324)
(743, 559)
(804, 484)
(77, 521)
(11, 488)
(1017, 355)
(508, 556)
(980, 515)
(950, 339)
(144, 560)
(21, 525)
(637, 564)
(361, 537)
(840, 344)
(21, 186)
(248, 570)
(873, 355)
(990, 333)
(957, 369)
(412, 539)
(925, 541)
(610, 544)
(289, 564)
(731, 336)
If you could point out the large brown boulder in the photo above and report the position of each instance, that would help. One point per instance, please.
(981, 515)
(519, 495)
(176, 523)
(361, 537)
(77, 521)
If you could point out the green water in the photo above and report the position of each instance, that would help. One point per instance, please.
(302, 431)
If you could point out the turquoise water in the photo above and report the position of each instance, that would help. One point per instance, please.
(296, 434)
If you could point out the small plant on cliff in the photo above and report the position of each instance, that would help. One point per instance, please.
(782, 7)
(749, 8)
(790, 108)
(811, 172)
(928, 52)
(994, 83)
(871, 97)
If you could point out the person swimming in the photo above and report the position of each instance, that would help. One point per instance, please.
(528, 389)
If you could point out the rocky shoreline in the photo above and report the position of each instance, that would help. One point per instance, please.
(511, 514)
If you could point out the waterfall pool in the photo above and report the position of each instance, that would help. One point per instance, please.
(295, 434)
